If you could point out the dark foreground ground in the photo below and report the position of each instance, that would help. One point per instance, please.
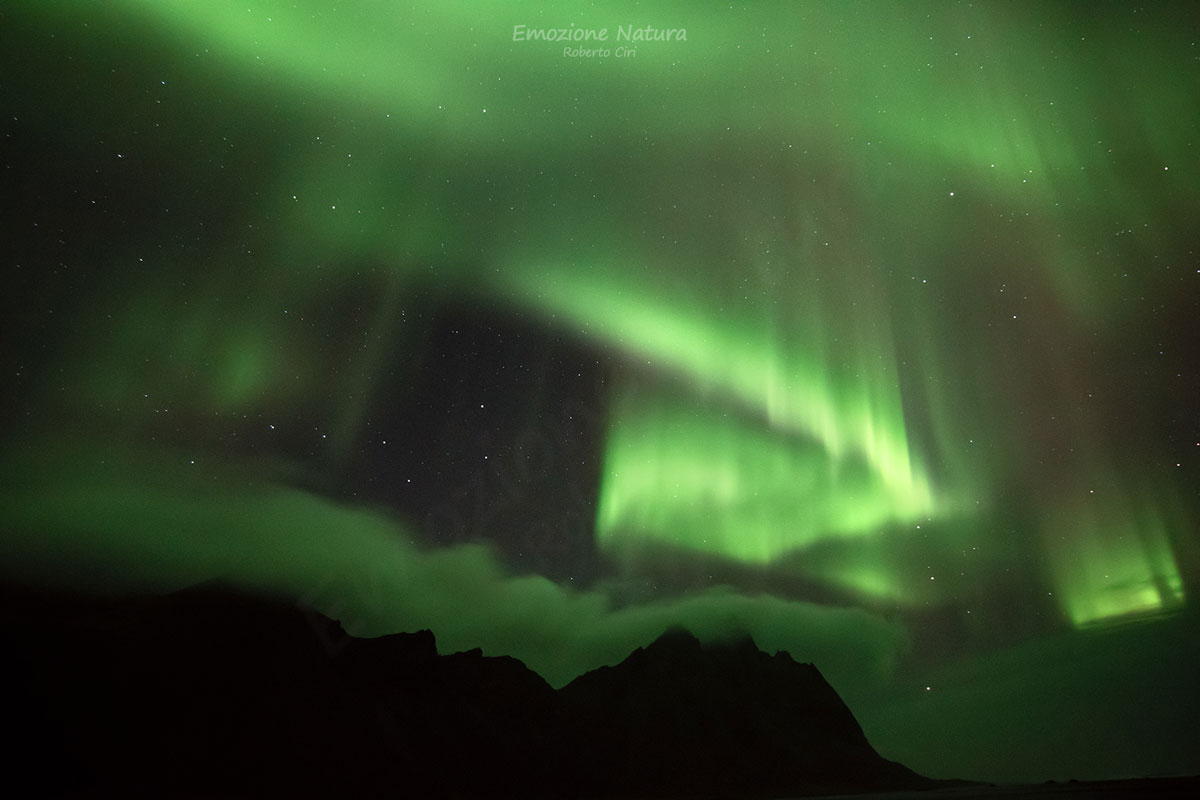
(1101, 790)
(215, 691)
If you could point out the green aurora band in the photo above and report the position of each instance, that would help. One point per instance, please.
(885, 292)
(734, 490)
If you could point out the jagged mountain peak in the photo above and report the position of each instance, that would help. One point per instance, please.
(218, 690)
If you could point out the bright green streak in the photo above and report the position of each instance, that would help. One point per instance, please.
(1113, 559)
(794, 430)
(701, 481)
(843, 396)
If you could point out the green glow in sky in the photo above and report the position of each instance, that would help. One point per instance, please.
(868, 328)
(700, 480)
(845, 397)
(1112, 559)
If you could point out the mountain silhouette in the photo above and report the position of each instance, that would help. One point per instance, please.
(678, 717)
(219, 691)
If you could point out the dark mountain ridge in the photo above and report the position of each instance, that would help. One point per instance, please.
(211, 690)
(677, 713)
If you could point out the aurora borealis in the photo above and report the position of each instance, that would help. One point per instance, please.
(866, 328)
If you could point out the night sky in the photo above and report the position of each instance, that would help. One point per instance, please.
(868, 329)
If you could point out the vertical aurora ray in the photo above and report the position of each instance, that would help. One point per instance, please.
(1111, 559)
(802, 372)
(784, 424)
(683, 474)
